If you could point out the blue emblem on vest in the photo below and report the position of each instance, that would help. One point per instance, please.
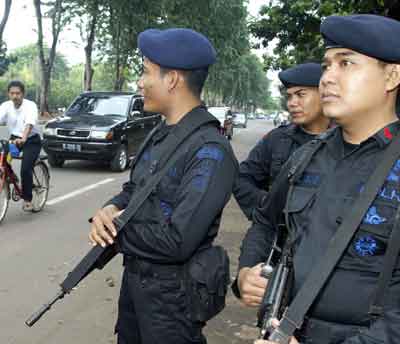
(394, 173)
(372, 217)
(366, 246)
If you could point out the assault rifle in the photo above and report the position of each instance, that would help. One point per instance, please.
(276, 296)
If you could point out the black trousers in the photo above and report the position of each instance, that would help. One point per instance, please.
(152, 309)
(31, 151)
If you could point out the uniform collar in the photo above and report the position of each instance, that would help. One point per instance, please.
(165, 129)
(382, 138)
(162, 132)
(293, 131)
(385, 135)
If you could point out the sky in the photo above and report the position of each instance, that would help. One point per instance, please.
(21, 30)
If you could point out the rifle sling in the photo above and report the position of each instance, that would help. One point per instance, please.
(294, 315)
(168, 159)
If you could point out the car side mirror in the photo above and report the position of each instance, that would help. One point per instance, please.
(135, 114)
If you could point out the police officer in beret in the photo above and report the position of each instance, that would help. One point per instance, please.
(182, 215)
(359, 87)
(266, 159)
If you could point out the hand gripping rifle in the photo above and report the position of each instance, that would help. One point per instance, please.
(275, 299)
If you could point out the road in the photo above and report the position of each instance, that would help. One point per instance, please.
(37, 251)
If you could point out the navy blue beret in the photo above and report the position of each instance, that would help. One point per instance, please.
(371, 35)
(177, 48)
(306, 74)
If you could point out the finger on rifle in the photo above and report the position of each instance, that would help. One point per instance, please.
(275, 322)
(107, 222)
(251, 299)
(97, 239)
(91, 239)
(249, 303)
(100, 232)
(258, 281)
(254, 285)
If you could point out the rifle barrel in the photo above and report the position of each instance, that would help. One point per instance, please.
(38, 314)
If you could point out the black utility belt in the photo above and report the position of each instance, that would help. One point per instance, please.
(149, 269)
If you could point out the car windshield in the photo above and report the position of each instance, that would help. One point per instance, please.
(240, 116)
(100, 106)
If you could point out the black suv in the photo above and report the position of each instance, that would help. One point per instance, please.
(105, 126)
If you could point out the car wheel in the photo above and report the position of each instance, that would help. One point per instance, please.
(55, 161)
(120, 161)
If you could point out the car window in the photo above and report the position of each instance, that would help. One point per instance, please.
(100, 106)
(219, 113)
(137, 108)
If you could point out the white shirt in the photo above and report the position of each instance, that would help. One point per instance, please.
(18, 119)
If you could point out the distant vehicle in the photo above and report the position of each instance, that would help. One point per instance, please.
(240, 120)
(103, 126)
(224, 116)
(260, 116)
(270, 116)
(281, 119)
(250, 116)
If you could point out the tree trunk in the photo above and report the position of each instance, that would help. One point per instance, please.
(118, 64)
(89, 71)
(45, 77)
(7, 8)
(46, 64)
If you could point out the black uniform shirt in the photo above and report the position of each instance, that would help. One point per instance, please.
(263, 164)
(184, 212)
(321, 199)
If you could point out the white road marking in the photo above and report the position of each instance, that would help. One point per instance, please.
(79, 191)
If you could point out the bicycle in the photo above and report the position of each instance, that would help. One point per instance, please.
(10, 187)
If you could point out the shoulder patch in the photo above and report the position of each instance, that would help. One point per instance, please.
(212, 153)
(394, 174)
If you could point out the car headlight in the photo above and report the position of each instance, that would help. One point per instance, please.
(50, 131)
(100, 134)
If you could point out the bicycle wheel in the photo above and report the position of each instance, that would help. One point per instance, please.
(4, 198)
(40, 189)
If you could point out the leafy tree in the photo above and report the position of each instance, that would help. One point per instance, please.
(295, 25)
(4, 60)
(25, 67)
(58, 11)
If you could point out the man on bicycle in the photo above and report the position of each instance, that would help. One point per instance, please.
(21, 117)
